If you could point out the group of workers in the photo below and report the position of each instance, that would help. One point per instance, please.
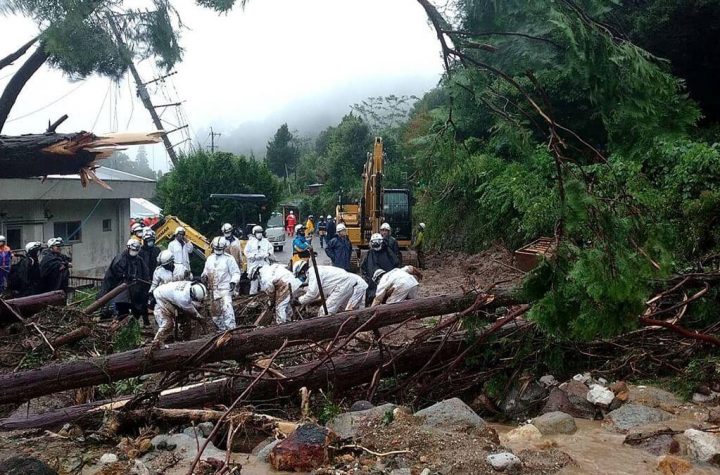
(162, 280)
(38, 270)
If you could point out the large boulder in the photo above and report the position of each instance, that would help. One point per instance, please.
(349, 425)
(525, 433)
(576, 406)
(25, 466)
(304, 450)
(632, 415)
(555, 423)
(703, 446)
(524, 400)
(450, 414)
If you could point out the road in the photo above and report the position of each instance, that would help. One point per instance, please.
(284, 256)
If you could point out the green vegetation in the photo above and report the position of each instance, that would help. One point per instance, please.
(128, 337)
(186, 190)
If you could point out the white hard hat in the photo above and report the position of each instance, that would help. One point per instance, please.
(3, 238)
(219, 243)
(198, 292)
(166, 257)
(136, 227)
(179, 229)
(422, 225)
(133, 244)
(226, 228)
(385, 226)
(377, 274)
(298, 227)
(329, 217)
(257, 229)
(31, 246)
(291, 212)
(340, 227)
(376, 241)
(300, 267)
(56, 241)
(148, 233)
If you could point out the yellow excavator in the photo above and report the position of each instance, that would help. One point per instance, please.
(377, 206)
(165, 229)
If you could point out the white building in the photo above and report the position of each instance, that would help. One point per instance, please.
(94, 221)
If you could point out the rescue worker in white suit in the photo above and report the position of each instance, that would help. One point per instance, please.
(175, 297)
(257, 253)
(234, 247)
(181, 249)
(166, 271)
(279, 284)
(221, 275)
(396, 285)
(357, 299)
(336, 283)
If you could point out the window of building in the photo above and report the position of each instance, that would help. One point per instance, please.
(14, 238)
(107, 225)
(70, 231)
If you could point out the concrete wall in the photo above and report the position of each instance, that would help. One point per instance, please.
(95, 250)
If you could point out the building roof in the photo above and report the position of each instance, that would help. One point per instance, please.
(68, 187)
(142, 208)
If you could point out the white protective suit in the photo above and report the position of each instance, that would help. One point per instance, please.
(257, 253)
(181, 253)
(337, 286)
(235, 249)
(357, 299)
(163, 276)
(220, 271)
(278, 282)
(171, 298)
(399, 284)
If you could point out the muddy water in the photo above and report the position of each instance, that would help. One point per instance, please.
(597, 450)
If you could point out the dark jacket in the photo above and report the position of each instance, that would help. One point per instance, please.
(24, 277)
(383, 259)
(392, 244)
(331, 229)
(149, 255)
(339, 251)
(54, 272)
(125, 268)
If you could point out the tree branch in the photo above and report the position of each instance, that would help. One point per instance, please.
(9, 59)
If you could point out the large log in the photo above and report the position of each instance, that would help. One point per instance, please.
(29, 306)
(22, 386)
(339, 372)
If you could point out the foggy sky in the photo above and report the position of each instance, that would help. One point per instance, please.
(303, 62)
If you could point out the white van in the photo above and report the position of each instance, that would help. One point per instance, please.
(275, 231)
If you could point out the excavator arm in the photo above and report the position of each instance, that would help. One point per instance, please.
(165, 229)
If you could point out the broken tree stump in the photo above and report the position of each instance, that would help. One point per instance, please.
(22, 386)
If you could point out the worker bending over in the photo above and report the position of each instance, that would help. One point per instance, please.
(173, 298)
(396, 285)
(337, 286)
(257, 253)
(221, 275)
(279, 284)
(357, 299)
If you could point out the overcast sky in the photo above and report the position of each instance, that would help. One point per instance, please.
(300, 61)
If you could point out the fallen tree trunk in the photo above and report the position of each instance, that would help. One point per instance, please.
(71, 337)
(29, 306)
(99, 303)
(339, 372)
(22, 386)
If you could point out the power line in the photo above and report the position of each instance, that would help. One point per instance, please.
(48, 105)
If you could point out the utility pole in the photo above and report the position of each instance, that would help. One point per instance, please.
(213, 134)
(144, 95)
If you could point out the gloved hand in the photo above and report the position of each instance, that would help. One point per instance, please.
(232, 286)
